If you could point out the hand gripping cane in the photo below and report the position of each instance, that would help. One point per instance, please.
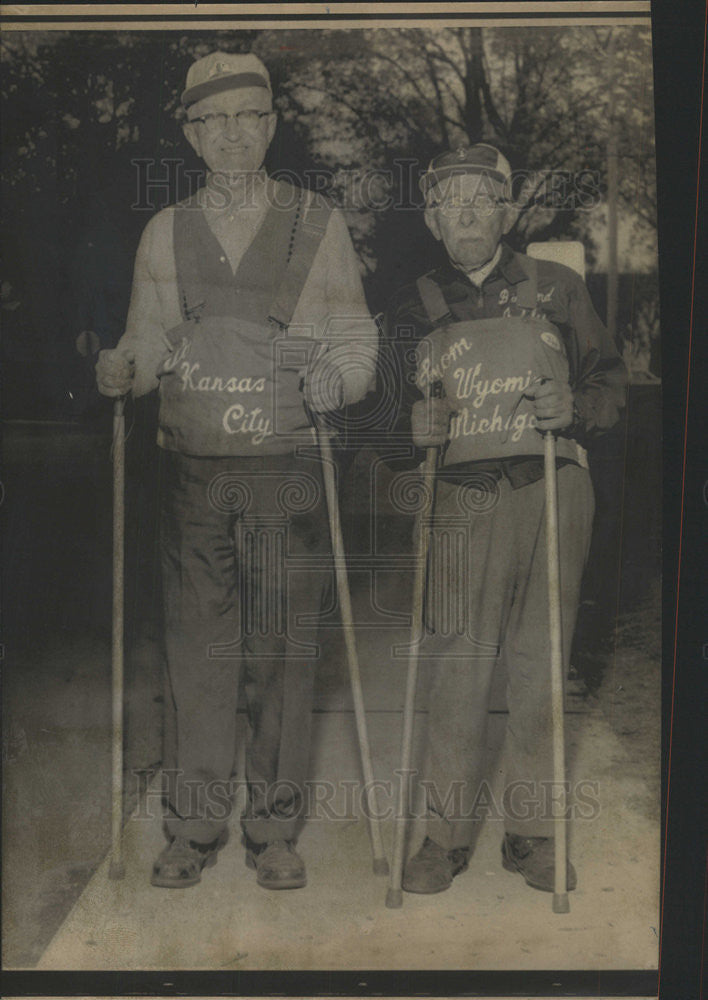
(394, 896)
(380, 864)
(560, 889)
(117, 867)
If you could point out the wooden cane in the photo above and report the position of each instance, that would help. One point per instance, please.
(394, 896)
(560, 888)
(380, 864)
(117, 867)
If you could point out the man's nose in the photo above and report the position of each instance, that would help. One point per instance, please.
(467, 216)
(234, 128)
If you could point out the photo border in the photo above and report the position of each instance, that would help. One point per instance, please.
(679, 52)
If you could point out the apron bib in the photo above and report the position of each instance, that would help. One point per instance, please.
(229, 385)
(223, 391)
(485, 367)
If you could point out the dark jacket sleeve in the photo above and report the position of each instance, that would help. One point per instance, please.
(403, 328)
(598, 374)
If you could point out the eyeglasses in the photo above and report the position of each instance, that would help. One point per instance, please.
(482, 205)
(216, 122)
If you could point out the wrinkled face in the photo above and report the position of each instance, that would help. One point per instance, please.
(466, 212)
(233, 146)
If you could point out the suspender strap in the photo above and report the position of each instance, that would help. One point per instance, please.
(306, 235)
(433, 300)
(527, 290)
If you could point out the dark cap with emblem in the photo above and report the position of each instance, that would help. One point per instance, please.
(221, 71)
(481, 159)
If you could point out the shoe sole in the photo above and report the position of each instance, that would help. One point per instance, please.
(426, 892)
(432, 892)
(286, 883)
(511, 867)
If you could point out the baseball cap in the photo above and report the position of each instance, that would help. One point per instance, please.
(481, 159)
(223, 71)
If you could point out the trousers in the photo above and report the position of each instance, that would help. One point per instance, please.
(488, 606)
(246, 565)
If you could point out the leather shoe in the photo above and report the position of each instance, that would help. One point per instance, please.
(277, 865)
(433, 868)
(533, 857)
(180, 864)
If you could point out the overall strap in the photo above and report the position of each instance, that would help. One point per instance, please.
(433, 300)
(309, 227)
(527, 291)
(206, 284)
(191, 264)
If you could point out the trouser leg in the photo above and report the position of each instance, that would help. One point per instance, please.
(528, 752)
(281, 652)
(470, 598)
(201, 622)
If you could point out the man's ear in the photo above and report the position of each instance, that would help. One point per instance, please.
(272, 125)
(191, 134)
(431, 221)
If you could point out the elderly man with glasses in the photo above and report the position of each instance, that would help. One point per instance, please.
(517, 349)
(247, 312)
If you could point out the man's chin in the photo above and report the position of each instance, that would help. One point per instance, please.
(473, 254)
(231, 169)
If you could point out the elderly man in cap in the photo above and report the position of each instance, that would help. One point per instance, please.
(247, 311)
(517, 349)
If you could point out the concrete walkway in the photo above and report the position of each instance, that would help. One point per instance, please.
(489, 919)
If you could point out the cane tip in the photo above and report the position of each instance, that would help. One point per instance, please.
(394, 899)
(560, 902)
(116, 870)
(380, 866)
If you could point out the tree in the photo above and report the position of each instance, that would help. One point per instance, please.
(387, 100)
(362, 112)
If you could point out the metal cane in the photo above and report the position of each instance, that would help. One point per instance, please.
(380, 864)
(394, 896)
(117, 867)
(560, 888)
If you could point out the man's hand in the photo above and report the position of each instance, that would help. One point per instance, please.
(553, 404)
(430, 419)
(323, 387)
(115, 372)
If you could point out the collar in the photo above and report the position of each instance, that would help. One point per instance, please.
(506, 267)
(510, 267)
(225, 195)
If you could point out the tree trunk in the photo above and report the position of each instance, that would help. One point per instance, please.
(474, 84)
(612, 194)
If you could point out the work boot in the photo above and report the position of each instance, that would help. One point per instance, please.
(277, 865)
(180, 864)
(533, 857)
(433, 868)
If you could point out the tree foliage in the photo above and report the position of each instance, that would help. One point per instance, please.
(361, 113)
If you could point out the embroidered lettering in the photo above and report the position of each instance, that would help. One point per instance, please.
(238, 420)
(469, 384)
(467, 424)
(433, 373)
(215, 383)
(187, 375)
(179, 354)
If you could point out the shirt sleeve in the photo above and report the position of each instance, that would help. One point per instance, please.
(145, 330)
(348, 326)
(599, 376)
